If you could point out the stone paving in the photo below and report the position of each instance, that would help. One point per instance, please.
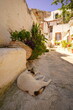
(57, 96)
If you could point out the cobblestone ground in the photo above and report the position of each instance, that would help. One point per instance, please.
(57, 96)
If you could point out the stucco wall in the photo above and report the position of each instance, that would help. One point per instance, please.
(52, 16)
(12, 63)
(71, 30)
(14, 14)
(45, 28)
(63, 28)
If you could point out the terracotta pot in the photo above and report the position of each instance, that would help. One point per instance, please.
(72, 50)
(72, 38)
(22, 45)
(68, 45)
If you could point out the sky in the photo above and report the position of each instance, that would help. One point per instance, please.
(42, 5)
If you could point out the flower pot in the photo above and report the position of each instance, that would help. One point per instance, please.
(72, 38)
(68, 45)
(72, 50)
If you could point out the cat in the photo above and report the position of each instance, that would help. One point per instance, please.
(28, 83)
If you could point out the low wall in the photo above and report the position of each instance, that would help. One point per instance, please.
(12, 63)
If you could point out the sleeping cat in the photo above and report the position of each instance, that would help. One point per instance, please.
(28, 83)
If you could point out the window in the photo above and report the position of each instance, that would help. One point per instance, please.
(51, 28)
(56, 16)
(58, 36)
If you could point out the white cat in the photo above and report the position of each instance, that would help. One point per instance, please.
(28, 83)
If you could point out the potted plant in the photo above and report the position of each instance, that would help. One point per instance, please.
(69, 44)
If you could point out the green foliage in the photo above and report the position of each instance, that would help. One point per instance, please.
(67, 16)
(64, 43)
(34, 39)
(57, 43)
(39, 41)
(35, 30)
(57, 16)
(38, 50)
(65, 5)
(14, 36)
(69, 44)
(72, 35)
(22, 35)
(68, 4)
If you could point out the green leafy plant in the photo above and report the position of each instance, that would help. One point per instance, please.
(33, 39)
(14, 35)
(57, 42)
(64, 43)
(72, 35)
(39, 41)
(22, 35)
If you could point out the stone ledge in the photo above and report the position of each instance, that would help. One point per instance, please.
(12, 63)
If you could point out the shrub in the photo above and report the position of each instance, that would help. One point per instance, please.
(39, 41)
(14, 35)
(33, 39)
(22, 35)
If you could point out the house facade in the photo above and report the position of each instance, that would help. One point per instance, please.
(57, 30)
(52, 25)
(69, 34)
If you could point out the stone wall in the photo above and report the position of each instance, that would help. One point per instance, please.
(12, 63)
(14, 15)
(33, 17)
(40, 15)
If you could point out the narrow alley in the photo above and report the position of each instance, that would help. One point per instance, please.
(58, 95)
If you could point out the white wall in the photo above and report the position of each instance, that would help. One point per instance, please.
(71, 30)
(52, 17)
(14, 15)
(53, 23)
(45, 28)
(63, 28)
